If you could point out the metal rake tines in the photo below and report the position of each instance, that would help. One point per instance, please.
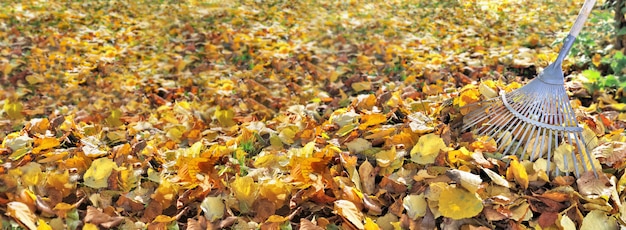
(536, 119)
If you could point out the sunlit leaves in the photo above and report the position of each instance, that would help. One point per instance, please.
(597, 219)
(349, 211)
(230, 115)
(458, 203)
(517, 172)
(245, 190)
(224, 117)
(213, 208)
(427, 149)
(21, 213)
(415, 205)
(12, 109)
(468, 95)
(98, 173)
(45, 143)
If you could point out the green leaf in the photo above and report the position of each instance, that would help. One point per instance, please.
(592, 74)
(621, 32)
(619, 55)
(610, 81)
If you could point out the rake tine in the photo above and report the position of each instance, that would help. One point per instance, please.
(482, 116)
(526, 128)
(533, 113)
(573, 155)
(509, 135)
(517, 131)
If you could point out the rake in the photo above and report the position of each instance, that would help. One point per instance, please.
(537, 115)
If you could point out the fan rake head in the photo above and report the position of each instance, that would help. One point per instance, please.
(537, 120)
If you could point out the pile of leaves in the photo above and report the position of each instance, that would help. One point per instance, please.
(286, 114)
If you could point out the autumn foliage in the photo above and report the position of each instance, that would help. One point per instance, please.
(287, 115)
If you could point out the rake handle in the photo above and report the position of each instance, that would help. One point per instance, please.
(582, 17)
(584, 12)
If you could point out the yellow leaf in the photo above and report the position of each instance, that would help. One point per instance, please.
(488, 89)
(224, 117)
(165, 193)
(90, 226)
(275, 190)
(371, 120)
(163, 219)
(276, 219)
(427, 149)
(213, 208)
(415, 206)
(35, 79)
(40, 125)
(366, 102)
(42, 225)
(517, 171)
(32, 174)
(114, 119)
(458, 203)
(45, 143)
(563, 157)
(386, 157)
(288, 134)
(389, 161)
(13, 109)
(63, 207)
(370, 225)
(194, 150)
(468, 96)
(460, 155)
(598, 220)
(98, 173)
(245, 191)
(361, 86)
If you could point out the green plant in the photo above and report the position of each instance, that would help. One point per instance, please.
(591, 40)
(615, 80)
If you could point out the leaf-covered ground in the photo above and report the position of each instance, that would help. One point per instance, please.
(289, 114)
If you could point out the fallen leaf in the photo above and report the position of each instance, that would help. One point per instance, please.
(427, 149)
(213, 208)
(22, 214)
(415, 205)
(457, 203)
(468, 181)
(349, 211)
(98, 173)
(518, 172)
(596, 219)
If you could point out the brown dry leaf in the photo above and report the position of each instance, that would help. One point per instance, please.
(591, 187)
(611, 153)
(308, 225)
(97, 217)
(368, 177)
